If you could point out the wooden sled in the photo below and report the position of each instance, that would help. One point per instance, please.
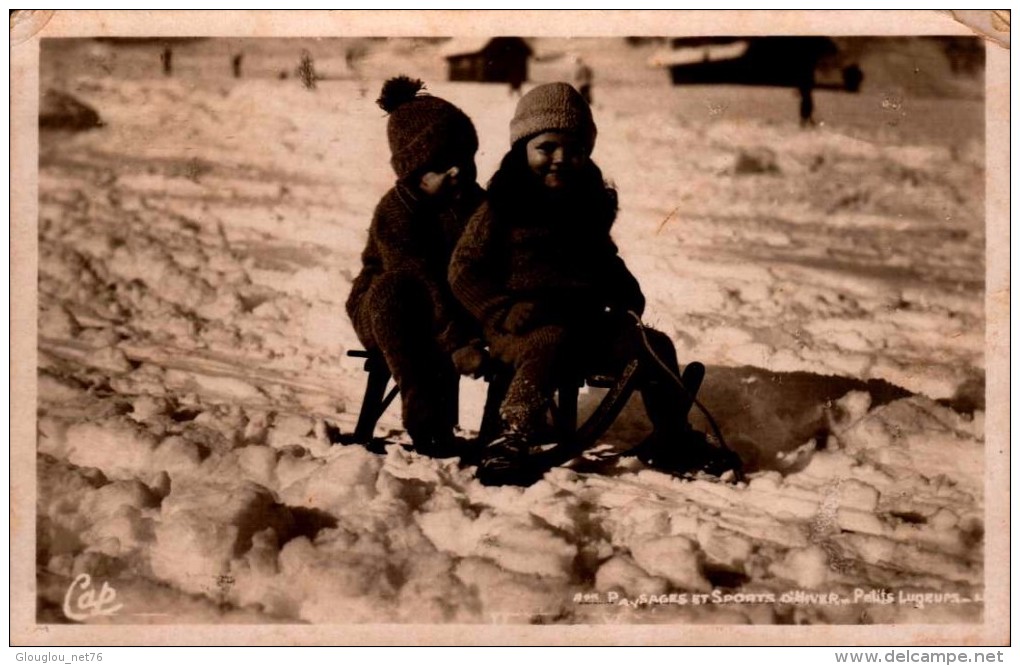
(573, 438)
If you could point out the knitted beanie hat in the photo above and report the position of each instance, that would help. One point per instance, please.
(553, 107)
(423, 129)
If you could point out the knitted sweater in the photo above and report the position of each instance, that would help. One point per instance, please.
(410, 233)
(569, 267)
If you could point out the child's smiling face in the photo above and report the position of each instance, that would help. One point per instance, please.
(555, 157)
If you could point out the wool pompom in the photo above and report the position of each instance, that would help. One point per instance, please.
(397, 91)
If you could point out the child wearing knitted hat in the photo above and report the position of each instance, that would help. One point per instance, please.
(538, 267)
(400, 304)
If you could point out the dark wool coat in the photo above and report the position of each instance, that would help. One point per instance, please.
(565, 263)
(413, 235)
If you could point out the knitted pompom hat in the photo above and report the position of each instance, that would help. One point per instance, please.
(423, 129)
(553, 107)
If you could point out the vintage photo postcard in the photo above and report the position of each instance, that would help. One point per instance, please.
(476, 327)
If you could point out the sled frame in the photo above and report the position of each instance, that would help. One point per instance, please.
(564, 410)
(377, 399)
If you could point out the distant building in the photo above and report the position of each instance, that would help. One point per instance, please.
(766, 61)
(496, 60)
(59, 110)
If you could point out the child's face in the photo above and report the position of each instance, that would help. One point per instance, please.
(443, 183)
(555, 157)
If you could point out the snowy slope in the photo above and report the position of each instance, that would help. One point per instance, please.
(195, 254)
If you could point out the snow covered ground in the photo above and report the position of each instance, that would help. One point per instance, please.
(194, 256)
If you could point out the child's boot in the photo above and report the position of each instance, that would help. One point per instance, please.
(510, 458)
(687, 453)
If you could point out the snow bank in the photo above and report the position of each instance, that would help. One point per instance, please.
(205, 526)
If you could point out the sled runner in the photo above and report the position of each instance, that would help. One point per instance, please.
(377, 400)
(508, 465)
(570, 440)
(373, 404)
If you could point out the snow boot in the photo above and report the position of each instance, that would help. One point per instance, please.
(690, 453)
(513, 459)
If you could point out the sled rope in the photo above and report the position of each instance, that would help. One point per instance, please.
(679, 382)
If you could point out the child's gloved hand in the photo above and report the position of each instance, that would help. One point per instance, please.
(521, 317)
(469, 360)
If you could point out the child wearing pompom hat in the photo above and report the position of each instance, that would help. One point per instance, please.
(400, 303)
(538, 267)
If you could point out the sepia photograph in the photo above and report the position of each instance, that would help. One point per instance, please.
(334, 322)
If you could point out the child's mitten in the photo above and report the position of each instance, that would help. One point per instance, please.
(469, 360)
(521, 317)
